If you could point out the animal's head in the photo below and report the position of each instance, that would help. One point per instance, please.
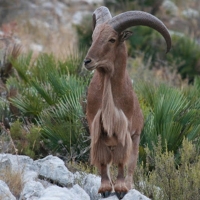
(110, 33)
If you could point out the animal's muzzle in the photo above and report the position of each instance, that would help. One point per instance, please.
(87, 61)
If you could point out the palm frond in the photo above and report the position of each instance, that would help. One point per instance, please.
(171, 117)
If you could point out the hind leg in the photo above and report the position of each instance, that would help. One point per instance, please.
(132, 160)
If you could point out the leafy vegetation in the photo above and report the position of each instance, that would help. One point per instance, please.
(44, 110)
(170, 116)
(84, 31)
(26, 139)
(169, 180)
(49, 95)
(184, 54)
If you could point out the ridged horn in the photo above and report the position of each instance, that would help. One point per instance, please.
(136, 18)
(101, 15)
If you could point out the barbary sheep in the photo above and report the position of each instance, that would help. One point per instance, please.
(113, 113)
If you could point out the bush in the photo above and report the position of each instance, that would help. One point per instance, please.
(26, 139)
(84, 31)
(184, 54)
(169, 114)
(49, 95)
(169, 180)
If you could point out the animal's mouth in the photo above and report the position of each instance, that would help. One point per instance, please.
(90, 68)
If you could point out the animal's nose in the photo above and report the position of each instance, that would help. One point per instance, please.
(86, 61)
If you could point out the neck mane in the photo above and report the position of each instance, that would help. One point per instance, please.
(109, 116)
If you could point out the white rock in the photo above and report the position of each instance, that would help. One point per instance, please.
(32, 191)
(48, 5)
(29, 176)
(1, 33)
(170, 7)
(36, 47)
(53, 168)
(134, 194)
(111, 197)
(78, 16)
(79, 178)
(91, 186)
(39, 23)
(58, 193)
(190, 13)
(5, 163)
(5, 193)
(16, 163)
(59, 8)
(94, 1)
(89, 1)
(79, 192)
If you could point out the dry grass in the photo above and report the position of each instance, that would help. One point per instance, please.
(59, 42)
(6, 142)
(161, 72)
(12, 178)
(14, 181)
(35, 33)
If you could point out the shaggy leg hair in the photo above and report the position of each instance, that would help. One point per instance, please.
(106, 183)
(100, 154)
(132, 160)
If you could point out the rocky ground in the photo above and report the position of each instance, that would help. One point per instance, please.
(49, 179)
(49, 26)
(44, 26)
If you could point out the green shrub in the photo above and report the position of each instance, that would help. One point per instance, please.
(61, 123)
(26, 138)
(169, 180)
(169, 114)
(184, 54)
(147, 40)
(84, 32)
(50, 93)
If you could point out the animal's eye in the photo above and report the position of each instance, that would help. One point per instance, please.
(112, 40)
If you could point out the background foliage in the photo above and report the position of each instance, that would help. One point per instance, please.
(43, 109)
(49, 95)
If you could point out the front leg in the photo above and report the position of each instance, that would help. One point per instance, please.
(106, 183)
(120, 185)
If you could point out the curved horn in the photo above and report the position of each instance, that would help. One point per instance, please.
(135, 18)
(101, 15)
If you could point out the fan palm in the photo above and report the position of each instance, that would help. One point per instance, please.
(50, 94)
(171, 116)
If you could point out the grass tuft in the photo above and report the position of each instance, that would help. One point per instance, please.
(14, 181)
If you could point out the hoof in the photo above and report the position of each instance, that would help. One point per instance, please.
(120, 195)
(105, 194)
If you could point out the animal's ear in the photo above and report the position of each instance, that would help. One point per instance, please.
(125, 35)
(93, 22)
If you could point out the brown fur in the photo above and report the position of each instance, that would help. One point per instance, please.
(114, 124)
(113, 111)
